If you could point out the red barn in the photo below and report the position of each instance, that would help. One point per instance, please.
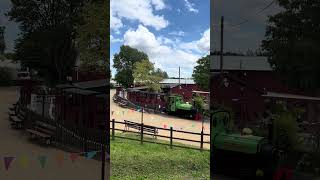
(246, 84)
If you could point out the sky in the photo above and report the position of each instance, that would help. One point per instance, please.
(247, 35)
(12, 28)
(172, 33)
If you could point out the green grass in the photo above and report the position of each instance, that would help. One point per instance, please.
(131, 160)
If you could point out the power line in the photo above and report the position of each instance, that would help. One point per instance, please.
(263, 9)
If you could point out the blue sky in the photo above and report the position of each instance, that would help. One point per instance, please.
(172, 33)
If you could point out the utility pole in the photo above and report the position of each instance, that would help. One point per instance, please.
(221, 47)
(179, 75)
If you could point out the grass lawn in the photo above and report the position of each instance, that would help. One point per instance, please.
(131, 160)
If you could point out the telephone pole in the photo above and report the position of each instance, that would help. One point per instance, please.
(221, 46)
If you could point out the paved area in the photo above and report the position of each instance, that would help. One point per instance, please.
(15, 143)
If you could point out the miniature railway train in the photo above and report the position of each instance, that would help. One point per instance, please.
(241, 155)
(171, 104)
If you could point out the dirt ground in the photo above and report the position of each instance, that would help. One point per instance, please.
(15, 143)
(161, 120)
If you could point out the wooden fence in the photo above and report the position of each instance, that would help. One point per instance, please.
(171, 137)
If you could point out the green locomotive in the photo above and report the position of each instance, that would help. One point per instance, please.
(242, 155)
(176, 106)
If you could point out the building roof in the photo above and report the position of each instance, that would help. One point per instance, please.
(63, 86)
(176, 81)
(9, 64)
(80, 91)
(249, 63)
(92, 84)
(290, 96)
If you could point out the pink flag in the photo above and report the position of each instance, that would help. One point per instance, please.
(74, 156)
(165, 126)
(8, 161)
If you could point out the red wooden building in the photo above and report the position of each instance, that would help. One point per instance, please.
(247, 83)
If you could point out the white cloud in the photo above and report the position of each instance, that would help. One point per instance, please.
(162, 51)
(115, 40)
(202, 45)
(190, 7)
(137, 10)
(177, 33)
(159, 4)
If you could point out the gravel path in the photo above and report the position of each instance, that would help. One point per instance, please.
(15, 143)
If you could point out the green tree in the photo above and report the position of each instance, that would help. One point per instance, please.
(2, 41)
(144, 73)
(161, 73)
(93, 39)
(124, 61)
(201, 72)
(292, 42)
(47, 41)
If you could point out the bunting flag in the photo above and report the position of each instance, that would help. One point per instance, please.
(90, 155)
(7, 162)
(74, 156)
(60, 158)
(42, 160)
(165, 126)
(112, 112)
(23, 161)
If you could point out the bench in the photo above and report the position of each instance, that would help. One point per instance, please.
(123, 104)
(146, 128)
(43, 131)
(17, 120)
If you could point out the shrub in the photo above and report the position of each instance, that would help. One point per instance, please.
(5, 76)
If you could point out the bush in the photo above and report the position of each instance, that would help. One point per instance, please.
(5, 76)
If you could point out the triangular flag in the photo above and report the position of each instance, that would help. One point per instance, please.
(24, 161)
(74, 156)
(91, 154)
(42, 160)
(8, 161)
(60, 158)
(112, 112)
(165, 126)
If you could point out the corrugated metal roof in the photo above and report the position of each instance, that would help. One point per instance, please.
(80, 91)
(92, 84)
(9, 64)
(290, 96)
(251, 63)
(176, 81)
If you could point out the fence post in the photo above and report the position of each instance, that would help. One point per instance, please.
(43, 101)
(171, 132)
(141, 133)
(113, 129)
(201, 143)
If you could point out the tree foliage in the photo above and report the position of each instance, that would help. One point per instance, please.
(201, 72)
(48, 28)
(93, 38)
(2, 41)
(144, 73)
(292, 41)
(124, 62)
